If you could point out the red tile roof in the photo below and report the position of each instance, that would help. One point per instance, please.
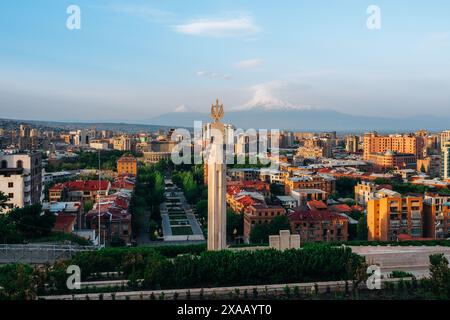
(342, 208)
(318, 205)
(89, 185)
(315, 215)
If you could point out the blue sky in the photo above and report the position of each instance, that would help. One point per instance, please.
(135, 59)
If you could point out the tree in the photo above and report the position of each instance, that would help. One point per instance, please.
(361, 229)
(277, 224)
(261, 232)
(3, 200)
(277, 189)
(31, 223)
(440, 276)
(235, 221)
(202, 209)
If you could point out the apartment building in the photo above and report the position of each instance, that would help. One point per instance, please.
(352, 144)
(318, 225)
(259, 214)
(127, 165)
(445, 161)
(21, 178)
(327, 184)
(392, 160)
(401, 144)
(390, 217)
(436, 209)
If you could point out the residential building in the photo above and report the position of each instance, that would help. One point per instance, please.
(122, 143)
(304, 195)
(314, 181)
(445, 137)
(437, 216)
(259, 214)
(127, 165)
(392, 160)
(318, 225)
(401, 144)
(431, 165)
(115, 217)
(445, 161)
(352, 144)
(390, 217)
(287, 202)
(363, 191)
(21, 178)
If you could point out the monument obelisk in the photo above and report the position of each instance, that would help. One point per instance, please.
(217, 183)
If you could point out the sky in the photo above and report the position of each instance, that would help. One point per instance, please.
(133, 60)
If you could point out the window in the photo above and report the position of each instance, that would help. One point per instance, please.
(10, 184)
(19, 164)
(10, 195)
(4, 164)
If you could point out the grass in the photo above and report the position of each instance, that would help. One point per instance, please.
(182, 231)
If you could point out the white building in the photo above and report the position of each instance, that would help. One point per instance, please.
(21, 178)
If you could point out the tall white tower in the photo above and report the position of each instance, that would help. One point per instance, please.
(217, 229)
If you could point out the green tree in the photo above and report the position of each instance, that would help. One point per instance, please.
(235, 221)
(31, 223)
(261, 232)
(361, 229)
(3, 201)
(202, 209)
(440, 276)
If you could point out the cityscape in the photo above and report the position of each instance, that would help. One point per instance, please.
(216, 199)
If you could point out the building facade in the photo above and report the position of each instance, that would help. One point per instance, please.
(127, 165)
(390, 217)
(21, 178)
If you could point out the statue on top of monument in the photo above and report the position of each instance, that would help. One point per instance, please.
(217, 111)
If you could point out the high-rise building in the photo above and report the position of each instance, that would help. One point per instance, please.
(445, 161)
(445, 137)
(21, 178)
(390, 217)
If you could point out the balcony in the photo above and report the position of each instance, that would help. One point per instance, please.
(416, 215)
(395, 224)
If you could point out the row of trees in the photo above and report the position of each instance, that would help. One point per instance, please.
(191, 181)
(89, 160)
(23, 224)
(148, 195)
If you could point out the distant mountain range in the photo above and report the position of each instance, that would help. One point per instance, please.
(285, 117)
(291, 118)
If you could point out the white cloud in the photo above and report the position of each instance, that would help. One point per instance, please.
(249, 64)
(219, 27)
(265, 98)
(213, 75)
(181, 108)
